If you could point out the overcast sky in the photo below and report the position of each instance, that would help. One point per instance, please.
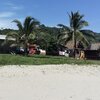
(49, 12)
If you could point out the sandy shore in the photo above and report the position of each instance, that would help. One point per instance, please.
(50, 82)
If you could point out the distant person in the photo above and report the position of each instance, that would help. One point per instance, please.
(82, 55)
(80, 50)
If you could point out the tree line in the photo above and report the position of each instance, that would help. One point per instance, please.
(49, 38)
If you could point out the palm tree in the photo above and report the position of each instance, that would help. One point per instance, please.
(76, 24)
(74, 31)
(27, 28)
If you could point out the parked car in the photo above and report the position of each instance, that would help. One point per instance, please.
(64, 53)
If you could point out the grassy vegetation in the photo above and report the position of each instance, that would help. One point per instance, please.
(7, 59)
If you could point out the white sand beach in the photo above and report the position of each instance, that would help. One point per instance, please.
(50, 82)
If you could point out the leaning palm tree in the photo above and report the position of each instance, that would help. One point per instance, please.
(74, 31)
(27, 28)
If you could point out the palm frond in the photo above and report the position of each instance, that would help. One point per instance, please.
(19, 25)
(81, 37)
(64, 27)
(13, 36)
(33, 25)
(27, 23)
(76, 21)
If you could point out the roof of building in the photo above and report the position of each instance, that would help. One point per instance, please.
(3, 37)
(69, 45)
(95, 46)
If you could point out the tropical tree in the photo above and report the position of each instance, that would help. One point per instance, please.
(74, 32)
(27, 28)
(47, 37)
(76, 24)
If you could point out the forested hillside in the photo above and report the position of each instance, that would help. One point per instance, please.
(53, 31)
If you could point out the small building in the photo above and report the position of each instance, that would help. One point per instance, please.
(4, 48)
(69, 45)
(3, 37)
(95, 46)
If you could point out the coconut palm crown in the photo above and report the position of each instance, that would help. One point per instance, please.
(74, 31)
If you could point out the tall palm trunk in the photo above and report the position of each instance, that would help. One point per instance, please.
(74, 43)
